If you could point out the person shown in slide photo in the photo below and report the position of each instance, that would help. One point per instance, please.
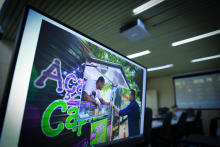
(92, 91)
(133, 112)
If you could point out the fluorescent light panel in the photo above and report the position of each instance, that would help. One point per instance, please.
(138, 54)
(146, 6)
(196, 38)
(206, 58)
(160, 67)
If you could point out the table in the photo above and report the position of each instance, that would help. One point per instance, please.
(204, 141)
(157, 123)
(154, 117)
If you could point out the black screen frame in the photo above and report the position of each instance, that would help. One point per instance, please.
(5, 98)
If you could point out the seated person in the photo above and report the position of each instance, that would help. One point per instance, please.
(92, 91)
(176, 111)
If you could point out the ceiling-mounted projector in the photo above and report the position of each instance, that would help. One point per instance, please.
(134, 31)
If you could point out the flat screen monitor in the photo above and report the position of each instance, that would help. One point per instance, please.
(163, 110)
(60, 85)
(200, 91)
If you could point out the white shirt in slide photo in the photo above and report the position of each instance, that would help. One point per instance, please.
(90, 87)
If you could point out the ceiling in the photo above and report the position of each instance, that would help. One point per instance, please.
(167, 22)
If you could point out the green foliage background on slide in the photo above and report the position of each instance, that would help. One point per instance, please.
(133, 73)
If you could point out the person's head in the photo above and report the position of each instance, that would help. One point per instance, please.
(131, 95)
(175, 108)
(100, 83)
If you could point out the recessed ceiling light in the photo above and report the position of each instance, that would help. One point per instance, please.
(196, 38)
(206, 58)
(160, 67)
(138, 54)
(146, 6)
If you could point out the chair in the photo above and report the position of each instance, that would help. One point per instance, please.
(181, 126)
(191, 112)
(179, 130)
(165, 132)
(147, 127)
(197, 127)
(213, 126)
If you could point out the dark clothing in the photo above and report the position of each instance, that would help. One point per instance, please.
(132, 110)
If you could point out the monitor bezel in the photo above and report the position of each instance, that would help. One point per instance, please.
(14, 58)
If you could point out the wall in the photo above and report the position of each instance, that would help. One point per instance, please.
(6, 49)
(166, 98)
(151, 101)
(165, 90)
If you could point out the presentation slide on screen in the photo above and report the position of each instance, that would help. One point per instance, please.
(55, 65)
(198, 91)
